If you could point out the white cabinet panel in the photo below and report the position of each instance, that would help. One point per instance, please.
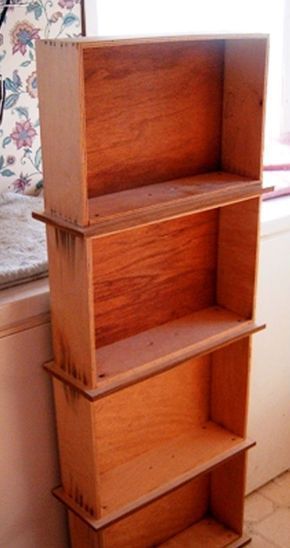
(269, 418)
(29, 516)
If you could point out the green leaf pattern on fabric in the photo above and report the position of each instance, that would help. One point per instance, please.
(20, 153)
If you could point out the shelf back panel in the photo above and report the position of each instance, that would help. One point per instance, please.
(153, 274)
(165, 407)
(153, 112)
(163, 518)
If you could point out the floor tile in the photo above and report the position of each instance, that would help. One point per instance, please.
(260, 542)
(278, 491)
(276, 527)
(283, 479)
(257, 507)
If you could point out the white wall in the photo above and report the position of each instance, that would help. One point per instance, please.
(285, 119)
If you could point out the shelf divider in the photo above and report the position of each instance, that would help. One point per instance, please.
(151, 352)
(127, 209)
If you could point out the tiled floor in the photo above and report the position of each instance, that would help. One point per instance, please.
(267, 514)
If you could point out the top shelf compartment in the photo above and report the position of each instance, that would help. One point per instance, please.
(126, 121)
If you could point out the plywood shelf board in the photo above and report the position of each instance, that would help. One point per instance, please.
(134, 485)
(128, 209)
(159, 349)
(198, 191)
(168, 466)
(171, 342)
(113, 41)
(207, 533)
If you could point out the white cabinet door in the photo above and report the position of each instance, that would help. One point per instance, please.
(29, 516)
(269, 412)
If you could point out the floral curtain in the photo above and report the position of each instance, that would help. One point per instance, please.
(20, 150)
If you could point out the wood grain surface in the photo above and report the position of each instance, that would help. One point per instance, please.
(153, 112)
(154, 274)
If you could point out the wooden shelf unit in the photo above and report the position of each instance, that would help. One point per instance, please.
(152, 197)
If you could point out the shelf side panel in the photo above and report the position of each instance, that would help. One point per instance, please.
(237, 256)
(153, 112)
(161, 520)
(228, 493)
(59, 68)
(153, 274)
(71, 305)
(75, 429)
(244, 98)
(229, 386)
(81, 535)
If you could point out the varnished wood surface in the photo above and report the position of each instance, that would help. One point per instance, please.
(107, 385)
(244, 105)
(128, 209)
(161, 140)
(170, 199)
(71, 305)
(237, 256)
(60, 86)
(84, 42)
(147, 499)
(126, 113)
(81, 535)
(230, 385)
(153, 112)
(168, 466)
(161, 519)
(153, 274)
(207, 533)
(123, 439)
(76, 442)
(171, 342)
(228, 492)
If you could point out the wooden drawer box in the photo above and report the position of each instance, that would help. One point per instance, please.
(129, 304)
(147, 127)
(206, 512)
(131, 457)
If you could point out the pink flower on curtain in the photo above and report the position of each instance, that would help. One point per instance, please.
(23, 134)
(69, 4)
(31, 85)
(22, 36)
(21, 183)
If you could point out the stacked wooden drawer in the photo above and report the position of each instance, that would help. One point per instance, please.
(152, 159)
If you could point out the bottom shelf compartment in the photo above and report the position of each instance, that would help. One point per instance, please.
(207, 512)
(207, 533)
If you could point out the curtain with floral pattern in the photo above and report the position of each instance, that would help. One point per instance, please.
(20, 148)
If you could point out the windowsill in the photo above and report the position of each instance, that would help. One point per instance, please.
(24, 306)
(275, 216)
